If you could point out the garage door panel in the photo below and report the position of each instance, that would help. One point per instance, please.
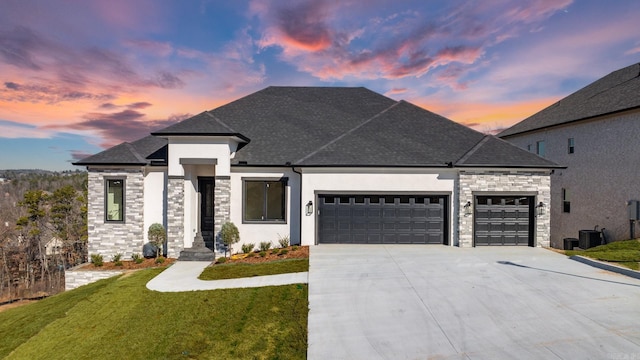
(389, 219)
(503, 220)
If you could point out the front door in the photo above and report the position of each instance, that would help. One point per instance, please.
(205, 187)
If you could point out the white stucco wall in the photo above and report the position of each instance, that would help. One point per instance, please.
(602, 175)
(257, 233)
(336, 180)
(200, 147)
(154, 198)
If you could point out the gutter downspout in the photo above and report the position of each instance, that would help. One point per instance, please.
(300, 207)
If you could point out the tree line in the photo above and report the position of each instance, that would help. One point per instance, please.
(43, 230)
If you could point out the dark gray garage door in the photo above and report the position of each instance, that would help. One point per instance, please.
(382, 219)
(504, 220)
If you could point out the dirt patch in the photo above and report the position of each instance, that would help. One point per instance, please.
(127, 265)
(15, 304)
(300, 252)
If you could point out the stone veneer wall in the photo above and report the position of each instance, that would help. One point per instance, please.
(222, 206)
(110, 238)
(77, 278)
(175, 216)
(479, 182)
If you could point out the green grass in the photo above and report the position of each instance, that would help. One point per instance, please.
(121, 319)
(624, 253)
(240, 270)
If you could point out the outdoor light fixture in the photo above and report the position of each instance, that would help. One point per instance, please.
(309, 208)
(540, 208)
(467, 208)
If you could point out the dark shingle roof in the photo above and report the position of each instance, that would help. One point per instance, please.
(613, 93)
(325, 126)
(139, 152)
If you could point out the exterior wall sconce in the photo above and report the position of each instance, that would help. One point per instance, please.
(309, 208)
(467, 209)
(540, 207)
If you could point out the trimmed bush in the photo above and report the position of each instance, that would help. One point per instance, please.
(97, 260)
(160, 260)
(265, 246)
(229, 234)
(117, 259)
(284, 252)
(137, 258)
(263, 253)
(248, 247)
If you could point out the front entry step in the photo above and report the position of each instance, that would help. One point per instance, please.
(198, 252)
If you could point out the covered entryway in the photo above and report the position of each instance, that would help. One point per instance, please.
(504, 220)
(382, 219)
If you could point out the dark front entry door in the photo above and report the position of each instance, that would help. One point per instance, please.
(205, 187)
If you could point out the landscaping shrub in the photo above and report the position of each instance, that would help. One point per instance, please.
(265, 246)
(160, 260)
(263, 253)
(229, 234)
(283, 241)
(221, 260)
(248, 247)
(284, 252)
(97, 260)
(117, 259)
(274, 251)
(294, 248)
(137, 258)
(251, 254)
(157, 236)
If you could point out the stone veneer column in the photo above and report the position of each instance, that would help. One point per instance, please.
(175, 216)
(222, 205)
(110, 238)
(504, 182)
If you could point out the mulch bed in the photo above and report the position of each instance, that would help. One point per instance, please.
(127, 265)
(302, 252)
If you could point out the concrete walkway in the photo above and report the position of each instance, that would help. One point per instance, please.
(183, 276)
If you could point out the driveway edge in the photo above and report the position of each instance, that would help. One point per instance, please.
(606, 266)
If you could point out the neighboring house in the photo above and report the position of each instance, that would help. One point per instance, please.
(53, 247)
(321, 165)
(595, 132)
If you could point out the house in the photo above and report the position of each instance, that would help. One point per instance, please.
(321, 165)
(595, 132)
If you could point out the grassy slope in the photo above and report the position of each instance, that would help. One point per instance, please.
(122, 319)
(239, 270)
(625, 253)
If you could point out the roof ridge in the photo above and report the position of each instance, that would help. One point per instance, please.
(135, 153)
(220, 121)
(472, 151)
(347, 133)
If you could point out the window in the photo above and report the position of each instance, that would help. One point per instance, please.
(114, 200)
(529, 147)
(540, 148)
(570, 145)
(264, 201)
(566, 204)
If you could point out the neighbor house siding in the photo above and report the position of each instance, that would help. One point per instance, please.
(110, 238)
(480, 182)
(602, 173)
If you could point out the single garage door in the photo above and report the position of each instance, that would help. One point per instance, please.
(382, 219)
(504, 220)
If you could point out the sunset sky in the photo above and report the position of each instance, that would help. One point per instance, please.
(78, 76)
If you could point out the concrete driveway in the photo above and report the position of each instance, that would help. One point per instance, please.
(438, 302)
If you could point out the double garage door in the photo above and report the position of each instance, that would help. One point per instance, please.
(382, 219)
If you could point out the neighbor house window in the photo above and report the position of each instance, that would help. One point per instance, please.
(570, 145)
(529, 147)
(566, 204)
(264, 200)
(114, 200)
(540, 148)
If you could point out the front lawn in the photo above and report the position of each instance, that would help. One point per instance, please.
(119, 318)
(241, 270)
(624, 253)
